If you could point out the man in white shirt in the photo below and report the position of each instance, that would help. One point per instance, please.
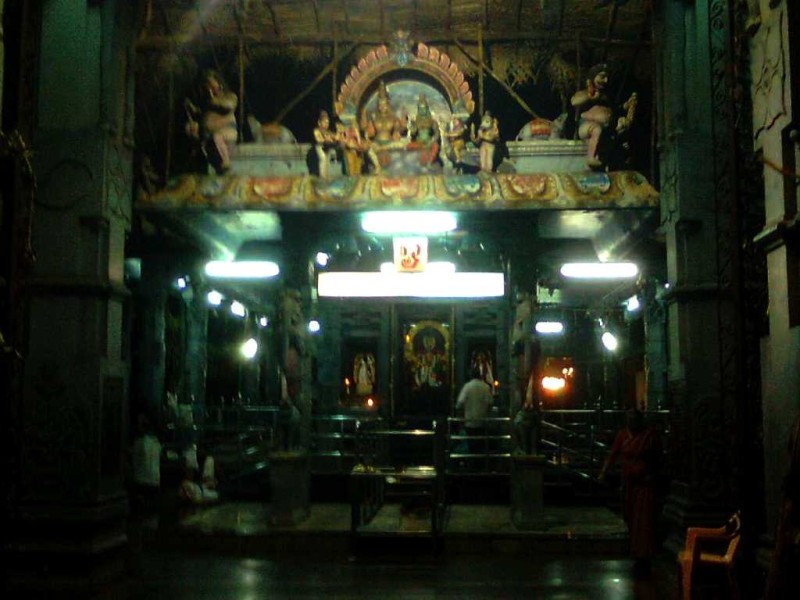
(476, 399)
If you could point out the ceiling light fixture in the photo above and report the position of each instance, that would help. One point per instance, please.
(600, 270)
(410, 285)
(549, 327)
(243, 269)
(408, 221)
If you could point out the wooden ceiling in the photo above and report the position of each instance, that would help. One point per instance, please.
(297, 22)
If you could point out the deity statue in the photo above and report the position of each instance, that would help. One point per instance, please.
(424, 131)
(430, 364)
(382, 128)
(595, 115)
(325, 142)
(212, 121)
(353, 146)
(364, 373)
(455, 135)
(486, 139)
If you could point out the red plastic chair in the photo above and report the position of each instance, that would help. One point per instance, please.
(696, 553)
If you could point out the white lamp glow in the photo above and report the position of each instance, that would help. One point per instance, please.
(632, 304)
(599, 270)
(313, 326)
(263, 321)
(609, 341)
(410, 285)
(408, 221)
(181, 283)
(322, 259)
(243, 269)
(549, 327)
(214, 298)
(249, 348)
(432, 267)
(238, 309)
(553, 384)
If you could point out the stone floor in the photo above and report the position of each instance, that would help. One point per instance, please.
(234, 550)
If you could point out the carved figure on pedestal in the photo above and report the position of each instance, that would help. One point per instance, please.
(455, 137)
(212, 121)
(595, 118)
(325, 142)
(486, 139)
(424, 131)
(382, 128)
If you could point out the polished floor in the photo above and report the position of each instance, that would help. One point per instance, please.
(234, 551)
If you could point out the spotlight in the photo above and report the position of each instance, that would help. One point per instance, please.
(238, 309)
(263, 321)
(314, 326)
(322, 259)
(249, 348)
(214, 298)
(609, 341)
(181, 283)
(632, 304)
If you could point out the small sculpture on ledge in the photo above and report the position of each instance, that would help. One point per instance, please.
(212, 121)
(454, 140)
(325, 143)
(595, 119)
(424, 132)
(486, 139)
(383, 129)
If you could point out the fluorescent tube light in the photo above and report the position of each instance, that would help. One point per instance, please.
(625, 270)
(243, 269)
(432, 267)
(410, 285)
(408, 221)
(549, 327)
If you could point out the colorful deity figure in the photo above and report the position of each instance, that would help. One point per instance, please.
(430, 364)
(364, 373)
(486, 139)
(424, 132)
(595, 117)
(212, 121)
(325, 143)
(455, 136)
(382, 129)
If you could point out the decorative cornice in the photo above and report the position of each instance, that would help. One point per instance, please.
(565, 191)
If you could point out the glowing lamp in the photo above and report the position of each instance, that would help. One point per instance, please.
(553, 384)
(249, 348)
(243, 269)
(408, 221)
(600, 270)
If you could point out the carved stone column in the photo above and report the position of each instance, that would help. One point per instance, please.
(70, 503)
(699, 217)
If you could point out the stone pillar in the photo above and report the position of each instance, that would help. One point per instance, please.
(70, 503)
(699, 216)
(775, 72)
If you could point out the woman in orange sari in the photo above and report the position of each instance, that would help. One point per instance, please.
(640, 451)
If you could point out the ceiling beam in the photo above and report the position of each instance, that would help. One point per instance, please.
(275, 27)
(162, 42)
(315, 5)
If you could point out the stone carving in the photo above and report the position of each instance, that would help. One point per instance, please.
(768, 72)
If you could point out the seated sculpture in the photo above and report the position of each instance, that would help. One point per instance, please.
(212, 121)
(424, 132)
(383, 130)
(595, 118)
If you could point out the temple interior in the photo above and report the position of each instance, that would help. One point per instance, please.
(429, 294)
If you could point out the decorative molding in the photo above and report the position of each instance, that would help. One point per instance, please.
(380, 62)
(622, 189)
